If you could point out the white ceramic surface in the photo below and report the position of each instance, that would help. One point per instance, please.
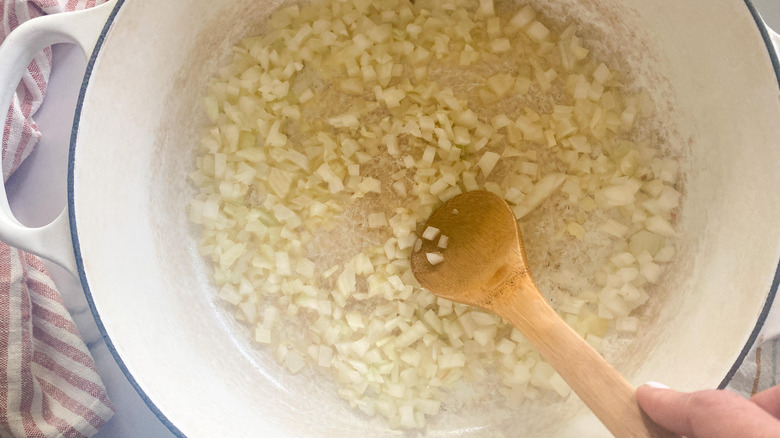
(175, 352)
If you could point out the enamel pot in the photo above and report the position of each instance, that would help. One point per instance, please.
(711, 68)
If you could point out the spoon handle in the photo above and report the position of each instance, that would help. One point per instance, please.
(603, 389)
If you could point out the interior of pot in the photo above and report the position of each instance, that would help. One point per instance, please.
(714, 86)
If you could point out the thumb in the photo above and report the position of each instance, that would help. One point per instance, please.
(706, 414)
(769, 400)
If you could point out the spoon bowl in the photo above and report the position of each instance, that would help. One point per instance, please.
(484, 250)
(484, 264)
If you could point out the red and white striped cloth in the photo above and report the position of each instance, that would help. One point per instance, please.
(49, 386)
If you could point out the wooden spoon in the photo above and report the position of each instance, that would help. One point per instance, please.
(485, 265)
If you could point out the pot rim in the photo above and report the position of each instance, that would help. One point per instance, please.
(762, 28)
(773, 55)
(74, 229)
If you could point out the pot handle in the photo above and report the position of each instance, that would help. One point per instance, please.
(83, 28)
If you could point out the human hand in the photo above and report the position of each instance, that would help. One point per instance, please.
(713, 413)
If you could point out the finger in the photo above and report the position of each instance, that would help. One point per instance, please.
(769, 400)
(710, 414)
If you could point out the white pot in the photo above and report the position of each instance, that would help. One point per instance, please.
(135, 253)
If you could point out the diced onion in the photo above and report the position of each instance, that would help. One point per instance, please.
(430, 233)
(488, 162)
(522, 18)
(342, 127)
(537, 31)
(434, 258)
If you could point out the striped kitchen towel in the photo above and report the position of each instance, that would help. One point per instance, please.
(49, 386)
(760, 370)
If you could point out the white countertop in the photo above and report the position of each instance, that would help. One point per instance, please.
(38, 193)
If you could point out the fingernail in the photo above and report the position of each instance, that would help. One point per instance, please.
(656, 385)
